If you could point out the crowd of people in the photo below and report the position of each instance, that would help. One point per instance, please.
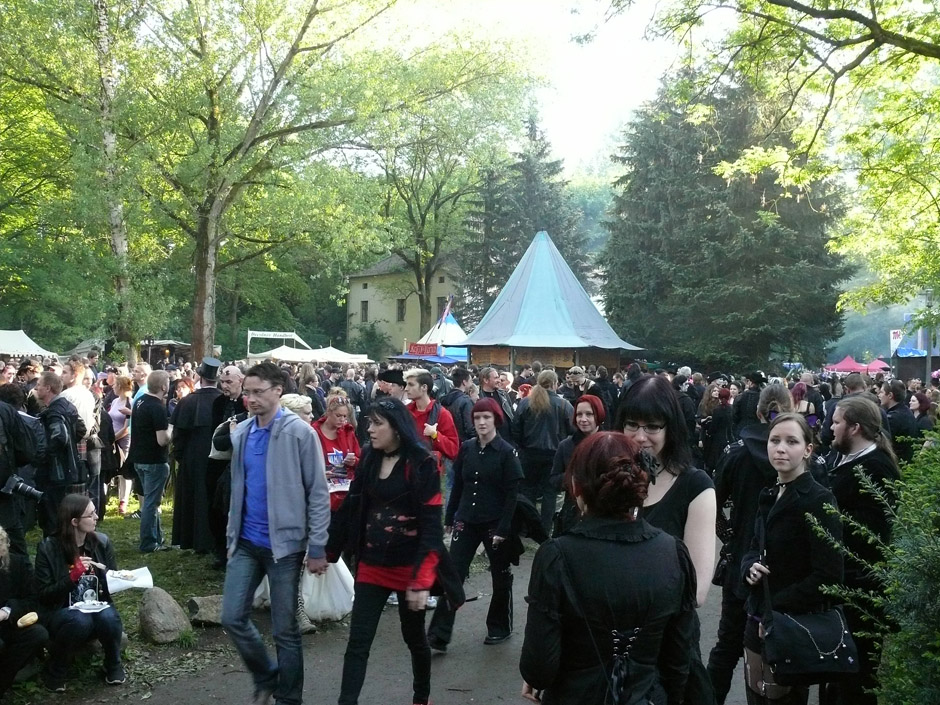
(278, 471)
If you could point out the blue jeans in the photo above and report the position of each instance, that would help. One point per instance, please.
(244, 572)
(153, 479)
(69, 631)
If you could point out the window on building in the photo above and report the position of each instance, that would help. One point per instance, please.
(365, 285)
(441, 303)
(440, 280)
(401, 310)
(364, 312)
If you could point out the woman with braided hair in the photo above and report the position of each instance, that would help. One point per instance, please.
(611, 602)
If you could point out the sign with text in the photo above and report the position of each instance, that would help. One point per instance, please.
(896, 337)
(423, 349)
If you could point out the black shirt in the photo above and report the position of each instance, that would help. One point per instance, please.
(148, 417)
(486, 481)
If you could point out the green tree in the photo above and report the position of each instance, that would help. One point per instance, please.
(517, 199)
(720, 273)
(862, 77)
(433, 158)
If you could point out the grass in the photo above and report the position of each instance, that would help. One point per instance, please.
(183, 574)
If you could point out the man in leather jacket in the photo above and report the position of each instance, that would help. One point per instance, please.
(64, 466)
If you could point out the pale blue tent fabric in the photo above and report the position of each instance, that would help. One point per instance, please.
(544, 305)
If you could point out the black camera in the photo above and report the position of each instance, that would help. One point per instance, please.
(17, 485)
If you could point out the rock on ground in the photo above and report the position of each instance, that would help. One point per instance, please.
(206, 611)
(162, 620)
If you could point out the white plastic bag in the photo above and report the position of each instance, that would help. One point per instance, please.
(262, 599)
(328, 597)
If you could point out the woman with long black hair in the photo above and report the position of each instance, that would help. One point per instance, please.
(681, 499)
(71, 569)
(391, 520)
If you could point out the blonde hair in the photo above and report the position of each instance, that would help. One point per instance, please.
(336, 400)
(539, 401)
(123, 383)
(296, 402)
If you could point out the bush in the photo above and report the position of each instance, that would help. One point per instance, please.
(910, 672)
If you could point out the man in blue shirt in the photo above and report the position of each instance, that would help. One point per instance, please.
(278, 519)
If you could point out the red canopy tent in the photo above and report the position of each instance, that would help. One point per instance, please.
(877, 364)
(847, 364)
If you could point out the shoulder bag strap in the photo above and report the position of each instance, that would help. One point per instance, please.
(768, 605)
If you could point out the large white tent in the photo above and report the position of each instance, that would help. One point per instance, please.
(327, 354)
(17, 344)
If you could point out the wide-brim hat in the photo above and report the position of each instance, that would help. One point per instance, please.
(393, 377)
(209, 369)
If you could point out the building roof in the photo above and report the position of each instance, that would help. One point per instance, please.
(543, 305)
(389, 265)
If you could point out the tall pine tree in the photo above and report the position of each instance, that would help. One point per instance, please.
(515, 201)
(723, 273)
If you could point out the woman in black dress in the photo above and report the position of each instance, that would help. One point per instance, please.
(611, 603)
(589, 414)
(681, 499)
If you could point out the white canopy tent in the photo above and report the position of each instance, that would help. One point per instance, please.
(331, 354)
(327, 354)
(17, 344)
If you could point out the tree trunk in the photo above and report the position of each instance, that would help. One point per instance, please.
(123, 327)
(206, 259)
(233, 321)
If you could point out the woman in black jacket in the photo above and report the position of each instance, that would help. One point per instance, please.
(18, 643)
(391, 522)
(480, 511)
(542, 421)
(72, 567)
(611, 602)
(589, 414)
(796, 561)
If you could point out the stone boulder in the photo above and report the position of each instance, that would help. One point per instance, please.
(162, 620)
(205, 610)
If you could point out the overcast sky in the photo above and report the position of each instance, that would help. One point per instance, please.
(594, 87)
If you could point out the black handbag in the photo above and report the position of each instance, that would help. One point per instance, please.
(806, 649)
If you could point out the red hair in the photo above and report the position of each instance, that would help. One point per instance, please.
(599, 414)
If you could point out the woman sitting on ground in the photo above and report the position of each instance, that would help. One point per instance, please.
(72, 567)
(612, 602)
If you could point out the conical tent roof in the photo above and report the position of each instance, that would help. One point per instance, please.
(543, 305)
(446, 332)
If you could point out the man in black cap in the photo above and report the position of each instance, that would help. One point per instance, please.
(192, 441)
(744, 411)
(392, 383)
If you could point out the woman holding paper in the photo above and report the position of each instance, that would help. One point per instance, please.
(71, 579)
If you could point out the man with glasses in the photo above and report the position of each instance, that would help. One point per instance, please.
(148, 452)
(278, 519)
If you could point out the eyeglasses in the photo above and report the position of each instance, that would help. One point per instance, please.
(650, 429)
(89, 516)
(385, 404)
(256, 392)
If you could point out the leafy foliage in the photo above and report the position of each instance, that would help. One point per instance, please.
(721, 272)
(517, 199)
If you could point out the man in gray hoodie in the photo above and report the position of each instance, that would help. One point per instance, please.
(278, 520)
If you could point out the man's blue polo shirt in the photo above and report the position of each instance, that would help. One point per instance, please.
(255, 509)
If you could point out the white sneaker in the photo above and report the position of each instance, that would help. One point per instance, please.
(303, 621)
(432, 602)
(392, 599)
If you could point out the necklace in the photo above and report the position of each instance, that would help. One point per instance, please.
(391, 454)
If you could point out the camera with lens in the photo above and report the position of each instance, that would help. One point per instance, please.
(17, 485)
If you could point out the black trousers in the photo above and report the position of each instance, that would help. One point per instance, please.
(17, 648)
(463, 547)
(536, 484)
(367, 609)
(11, 519)
(729, 647)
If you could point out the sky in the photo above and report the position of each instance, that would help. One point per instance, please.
(593, 88)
